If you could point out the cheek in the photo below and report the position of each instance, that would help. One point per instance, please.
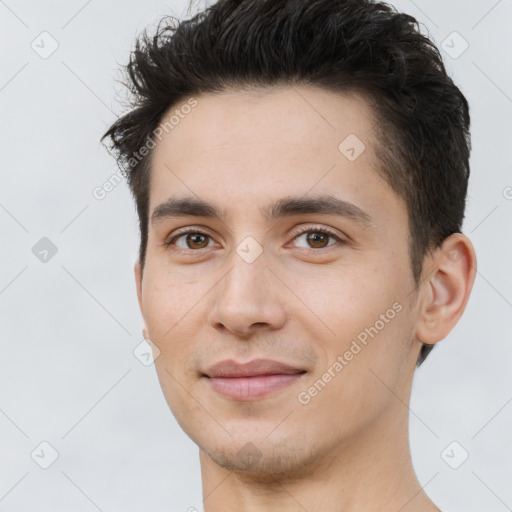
(347, 298)
(358, 381)
(169, 295)
(365, 323)
(169, 316)
(168, 308)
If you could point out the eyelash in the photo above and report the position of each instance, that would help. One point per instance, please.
(314, 229)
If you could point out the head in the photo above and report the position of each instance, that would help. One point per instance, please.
(251, 103)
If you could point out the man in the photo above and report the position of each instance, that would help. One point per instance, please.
(300, 171)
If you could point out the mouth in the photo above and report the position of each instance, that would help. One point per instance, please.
(253, 380)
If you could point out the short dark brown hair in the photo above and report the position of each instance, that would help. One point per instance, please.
(345, 46)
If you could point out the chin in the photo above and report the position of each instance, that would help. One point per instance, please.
(263, 459)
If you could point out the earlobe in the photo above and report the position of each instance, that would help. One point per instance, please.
(447, 290)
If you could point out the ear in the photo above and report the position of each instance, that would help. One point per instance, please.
(446, 290)
(138, 283)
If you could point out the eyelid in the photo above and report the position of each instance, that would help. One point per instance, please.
(201, 230)
(299, 231)
(317, 228)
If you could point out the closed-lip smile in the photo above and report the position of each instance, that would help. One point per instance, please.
(252, 380)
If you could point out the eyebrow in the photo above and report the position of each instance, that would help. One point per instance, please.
(285, 207)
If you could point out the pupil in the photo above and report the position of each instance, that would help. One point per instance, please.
(194, 238)
(314, 238)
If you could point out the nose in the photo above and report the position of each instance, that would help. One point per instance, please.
(248, 299)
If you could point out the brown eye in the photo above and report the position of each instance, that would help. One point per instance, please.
(317, 239)
(196, 240)
(190, 240)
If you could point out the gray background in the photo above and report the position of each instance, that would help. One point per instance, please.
(69, 325)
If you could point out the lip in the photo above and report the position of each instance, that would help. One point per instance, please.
(230, 368)
(252, 380)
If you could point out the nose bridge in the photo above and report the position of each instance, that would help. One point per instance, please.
(246, 277)
(245, 296)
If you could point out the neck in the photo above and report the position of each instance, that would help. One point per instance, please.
(372, 471)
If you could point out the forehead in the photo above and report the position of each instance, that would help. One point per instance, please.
(303, 116)
(242, 147)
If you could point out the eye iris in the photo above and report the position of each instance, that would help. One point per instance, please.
(195, 237)
(314, 236)
(317, 239)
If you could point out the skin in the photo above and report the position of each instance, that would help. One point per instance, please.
(347, 449)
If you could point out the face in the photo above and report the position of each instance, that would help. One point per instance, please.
(323, 286)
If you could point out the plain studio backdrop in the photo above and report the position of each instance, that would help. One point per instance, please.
(76, 394)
